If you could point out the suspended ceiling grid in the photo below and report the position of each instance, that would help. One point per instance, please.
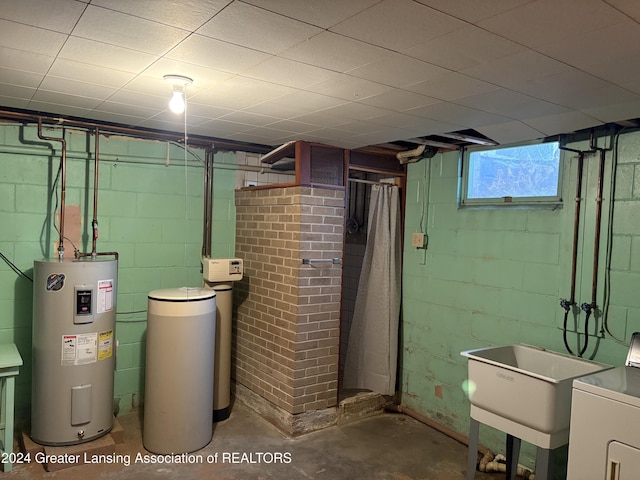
(346, 73)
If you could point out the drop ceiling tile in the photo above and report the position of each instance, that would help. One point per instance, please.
(511, 104)
(20, 78)
(397, 70)
(20, 60)
(59, 16)
(107, 26)
(607, 95)
(11, 102)
(112, 117)
(69, 69)
(334, 52)
(330, 117)
(399, 100)
(349, 88)
(457, 115)
(108, 56)
(463, 48)
(137, 99)
(615, 112)
(322, 13)
(294, 104)
(221, 128)
(185, 14)
(252, 27)
(293, 126)
(207, 111)
(628, 7)
(562, 123)
(58, 98)
(564, 88)
(152, 79)
(397, 24)
(510, 132)
(216, 54)
(472, 10)
(451, 85)
(429, 126)
(75, 87)
(55, 108)
(514, 70)
(17, 91)
(396, 119)
(240, 93)
(248, 118)
(544, 22)
(127, 109)
(288, 72)
(30, 39)
(597, 54)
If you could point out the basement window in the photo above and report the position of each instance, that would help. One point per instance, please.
(524, 174)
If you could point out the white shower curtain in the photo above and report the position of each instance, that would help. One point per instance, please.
(372, 349)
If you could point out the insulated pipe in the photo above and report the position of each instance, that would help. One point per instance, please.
(63, 185)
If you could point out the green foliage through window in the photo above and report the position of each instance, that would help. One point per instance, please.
(517, 174)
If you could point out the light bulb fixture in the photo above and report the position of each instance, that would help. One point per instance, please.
(179, 84)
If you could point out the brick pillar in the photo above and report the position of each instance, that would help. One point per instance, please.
(287, 332)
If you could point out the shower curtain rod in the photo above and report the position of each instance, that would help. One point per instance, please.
(370, 182)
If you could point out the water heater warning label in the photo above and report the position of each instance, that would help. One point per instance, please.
(105, 296)
(105, 345)
(79, 349)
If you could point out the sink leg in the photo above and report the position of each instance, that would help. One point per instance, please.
(543, 464)
(472, 458)
(513, 454)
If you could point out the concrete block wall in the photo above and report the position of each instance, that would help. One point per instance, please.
(495, 276)
(147, 211)
(288, 314)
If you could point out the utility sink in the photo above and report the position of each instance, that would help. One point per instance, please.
(525, 391)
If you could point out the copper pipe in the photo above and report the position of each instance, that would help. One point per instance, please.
(97, 254)
(94, 222)
(208, 203)
(63, 184)
(194, 140)
(596, 244)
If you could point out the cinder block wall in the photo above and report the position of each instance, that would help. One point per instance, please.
(286, 337)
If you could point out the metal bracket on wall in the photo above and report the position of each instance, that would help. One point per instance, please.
(309, 261)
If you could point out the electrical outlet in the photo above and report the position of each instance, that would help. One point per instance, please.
(417, 240)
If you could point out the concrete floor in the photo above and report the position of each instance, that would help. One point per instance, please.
(385, 447)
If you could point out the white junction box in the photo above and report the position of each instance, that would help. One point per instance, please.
(222, 269)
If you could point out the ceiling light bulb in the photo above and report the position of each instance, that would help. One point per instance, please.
(179, 84)
(176, 104)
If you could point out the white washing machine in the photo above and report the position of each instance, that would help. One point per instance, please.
(604, 440)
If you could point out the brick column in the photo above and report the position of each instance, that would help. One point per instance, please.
(287, 332)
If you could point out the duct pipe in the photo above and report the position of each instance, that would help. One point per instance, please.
(63, 184)
(406, 156)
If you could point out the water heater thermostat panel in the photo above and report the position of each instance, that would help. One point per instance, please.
(222, 269)
(84, 304)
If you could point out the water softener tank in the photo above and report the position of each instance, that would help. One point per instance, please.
(74, 311)
(181, 326)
